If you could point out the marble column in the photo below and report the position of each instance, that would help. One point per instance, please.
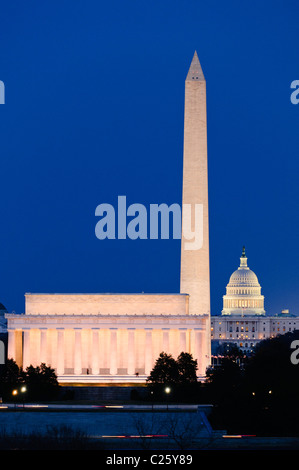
(148, 363)
(113, 351)
(60, 351)
(183, 340)
(26, 348)
(95, 366)
(165, 344)
(11, 353)
(43, 346)
(78, 352)
(131, 351)
(199, 347)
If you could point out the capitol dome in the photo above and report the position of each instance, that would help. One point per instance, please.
(243, 292)
(244, 277)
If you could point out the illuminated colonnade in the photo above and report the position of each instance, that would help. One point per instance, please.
(120, 347)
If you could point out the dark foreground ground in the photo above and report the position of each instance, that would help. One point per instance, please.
(116, 427)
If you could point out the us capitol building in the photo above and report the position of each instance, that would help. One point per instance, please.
(243, 320)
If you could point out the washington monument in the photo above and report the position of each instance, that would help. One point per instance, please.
(195, 270)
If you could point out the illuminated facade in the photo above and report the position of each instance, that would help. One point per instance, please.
(246, 332)
(243, 321)
(243, 292)
(116, 338)
(104, 337)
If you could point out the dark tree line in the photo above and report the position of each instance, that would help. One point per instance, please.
(256, 395)
(262, 396)
(175, 377)
(40, 382)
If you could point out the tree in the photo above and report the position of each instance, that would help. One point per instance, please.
(10, 378)
(179, 375)
(165, 371)
(187, 367)
(271, 368)
(224, 392)
(262, 397)
(230, 350)
(41, 382)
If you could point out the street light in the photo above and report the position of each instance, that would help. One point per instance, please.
(14, 393)
(152, 395)
(23, 390)
(167, 391)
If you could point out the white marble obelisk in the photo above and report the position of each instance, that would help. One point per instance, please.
(195, 265)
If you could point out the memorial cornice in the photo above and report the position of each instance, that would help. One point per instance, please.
(89, 321)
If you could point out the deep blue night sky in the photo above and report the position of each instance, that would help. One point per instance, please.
(94, 109)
